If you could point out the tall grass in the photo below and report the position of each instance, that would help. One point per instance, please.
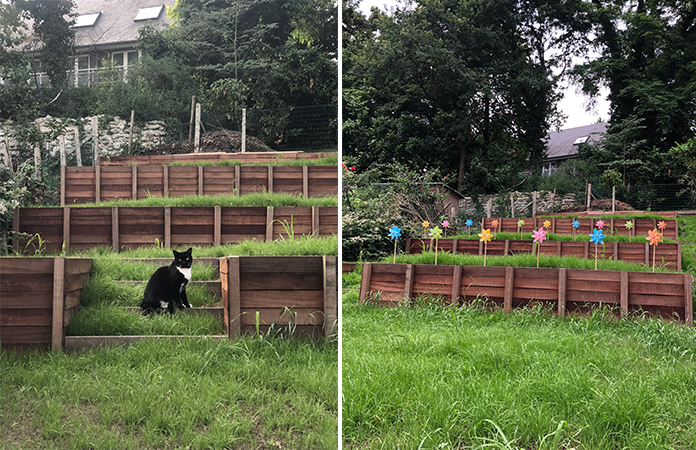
(439, 377)
(263, 199)
(195, 394)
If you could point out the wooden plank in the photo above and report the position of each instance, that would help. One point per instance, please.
(167, 226)
(456, 283)
(315, 220)
(562, 290)
(97, 183)
(66, 228)
(365, 281)
(269, 223)
(165, 181)
(217, 225)
(270, 179)
(57, 333)
(330, 295)
(34, 317)
(200, 180)
(688, 300)
(509, 286)
(624, 293)
(408, 281)
(237, 180)
(305, 182)
(134, 182)
(115, 236)
(234, 297)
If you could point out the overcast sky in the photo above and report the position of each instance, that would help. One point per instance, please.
(573, 104)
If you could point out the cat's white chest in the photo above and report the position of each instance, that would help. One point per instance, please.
(185, 272)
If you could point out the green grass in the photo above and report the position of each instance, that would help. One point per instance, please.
(257, 200)
(556, 237)
(439, 377)
(194, 394)
(325, 161)
(609, 216)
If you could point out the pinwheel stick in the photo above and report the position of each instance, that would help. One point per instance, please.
(595, 257)
(485, 249)
(394, 251)
(654, 253)
(436, 251)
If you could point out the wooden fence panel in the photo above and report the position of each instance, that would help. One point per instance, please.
(576, 290)
(103, 183)
(140, 227)
(38, 299)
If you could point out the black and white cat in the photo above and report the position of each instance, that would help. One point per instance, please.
(167, 286)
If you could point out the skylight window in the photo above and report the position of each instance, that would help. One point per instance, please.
(151, 12)
(86, 20)
(581, 140)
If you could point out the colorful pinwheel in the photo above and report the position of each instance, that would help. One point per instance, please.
(576, 225)
(468, 224)
(435, 233)
(520, 224)
(629, 227)
(495, 224)
(539, 237)
(598, 238)
(395, 234)
(445, 225)
(661, 225)
(547, 224)
(654, 237)
(485, 236)
(600, 224)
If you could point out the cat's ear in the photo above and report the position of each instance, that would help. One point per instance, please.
(176, 254)
(188, 252)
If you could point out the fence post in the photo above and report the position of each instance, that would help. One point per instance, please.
(512, 205)
(688, 300)
(130, 139)
(408, 282)
(62, 185)
(115, 238)
(167, 227)
(237, 180)
(37, 162)
(330, 294)
(535, 194)
(624, 293)
(244, 130)
(61, 144)
(97, 184)
(509, 286)
(589, 194)
(305, 181)
(456, 283)
(165, 181)
(613, 199)
(234, 310)
(200, 180)
(269, 224)
(78, 146)
(217, 225)
(365, 282)
(66, 228)
(562, 291)
(57, 333)
(315, 220)
(134, 182)
(270, 179)
(489, 208)
(193, 115)
(95, 140)
(197, 135)
(15, 226)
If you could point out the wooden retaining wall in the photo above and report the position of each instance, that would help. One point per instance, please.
(131, 227)
(307, 285)
(38, 299)
(668, 255)
(565, 226)
(103, 183)
(212, 157)
(569, 290)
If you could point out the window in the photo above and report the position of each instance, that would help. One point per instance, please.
(151, 12)
(581, 140)
(82, 71)
(86, 20)
(125, 59)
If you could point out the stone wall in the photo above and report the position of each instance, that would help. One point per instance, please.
(500, 206)
(114, 136)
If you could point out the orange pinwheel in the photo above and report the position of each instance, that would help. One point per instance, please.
(494, 224)
(661, 225)
(654, 237)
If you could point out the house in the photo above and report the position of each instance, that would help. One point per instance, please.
(565, 144)
(107, 30)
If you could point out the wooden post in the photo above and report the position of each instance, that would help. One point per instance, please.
(688, 300)
(408, 282)
(165, 181)
(78, 146)
(197, 135)
(315, 220)
(134, 182)
(15, 226)
(217, 225)
(115, 237)
(455, 244)
(95, 140)
(130, 139)
(562, 291)
(489, 208)
(61, 144)
(6, 154)
(270, 179)
(193, 115)
(66, 228)
(647, 254)
(624, 293)
(365, 282)
(589, 194)
(37, 162)
(62, 185)
(237, 180)
(613, 199)
(57, 332)
(512, 205)
(233, 297)
(535, 195)
(269, 224)
(330, 294)
(509, 286)
(97, 184)
(243, 130)
(167, 227)
(456, 283)
(305, 181)
(200, 180)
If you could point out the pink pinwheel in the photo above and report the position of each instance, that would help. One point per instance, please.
(600, 224)
(539, 237)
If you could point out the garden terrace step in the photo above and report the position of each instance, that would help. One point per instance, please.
(211, 261)
(76, 343)
(217, 311)
(214, 286)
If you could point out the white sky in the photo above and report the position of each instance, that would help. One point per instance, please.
(573, 104)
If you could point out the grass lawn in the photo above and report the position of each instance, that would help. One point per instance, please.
(248, 393)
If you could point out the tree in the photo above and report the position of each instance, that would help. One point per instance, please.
(464, 86)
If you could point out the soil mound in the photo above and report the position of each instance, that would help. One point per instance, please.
(212, 142)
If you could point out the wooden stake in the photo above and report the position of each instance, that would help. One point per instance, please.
(193, 115)
(57, 332)
(197, 135)
(130, 140)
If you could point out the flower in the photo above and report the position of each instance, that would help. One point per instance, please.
(469, 222)
(629, 225)
(576, 223)
(600, 224)
(520, 223)
(445, 224)
(654, 237)
(435, 233)
(547, 224)
(597, 236)
(352, 168)
(426, 224)
(395, 232)
(485, 235)
(494, 224)
(661, 225)
(539, 235)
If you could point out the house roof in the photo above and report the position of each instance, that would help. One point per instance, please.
(115, 22)
(565, 143)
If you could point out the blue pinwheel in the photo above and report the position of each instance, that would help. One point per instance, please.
(598, 238)
(469, 222)
(395, 232)
(576, 223)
